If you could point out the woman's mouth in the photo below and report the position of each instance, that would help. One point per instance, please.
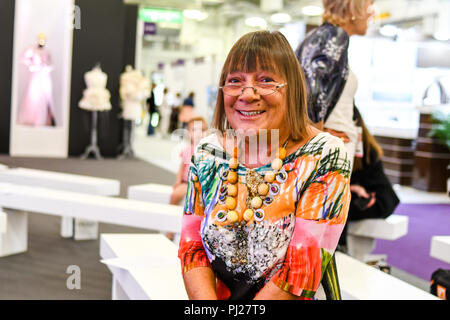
(250, 113)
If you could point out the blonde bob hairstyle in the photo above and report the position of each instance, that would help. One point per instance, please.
(269, 51)
(342, 11)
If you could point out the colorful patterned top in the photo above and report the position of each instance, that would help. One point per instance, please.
(293, 238)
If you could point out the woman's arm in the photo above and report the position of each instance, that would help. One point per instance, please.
(321, 213)
(272, 292)
(200, 284)
(197, 273)
(179, 178)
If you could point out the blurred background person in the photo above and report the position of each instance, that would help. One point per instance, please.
(165, 111)
(323, 56)
(196, 129)
(187, 110)
(152, 109)
(372, 194)
(176, 106)
(180, 185)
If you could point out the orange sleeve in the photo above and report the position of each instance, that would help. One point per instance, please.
(320, 218)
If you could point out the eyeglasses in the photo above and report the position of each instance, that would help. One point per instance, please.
(263, 89)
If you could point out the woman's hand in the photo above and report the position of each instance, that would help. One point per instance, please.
(339, 134)
(362, 192)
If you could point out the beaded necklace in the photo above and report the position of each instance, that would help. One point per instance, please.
(257, 188)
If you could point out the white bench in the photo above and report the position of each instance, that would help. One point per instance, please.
(359, 281)
(440, 248)
(144, 266)
(150, 192)
(3, 222)
(134, 277)
(22, 199)
(362, 235)
(79, 229)
(153, 192)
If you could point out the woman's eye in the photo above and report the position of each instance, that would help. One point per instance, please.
(234, 80)
(266, 80)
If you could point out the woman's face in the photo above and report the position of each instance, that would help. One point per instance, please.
(251, 111)
(361, 23)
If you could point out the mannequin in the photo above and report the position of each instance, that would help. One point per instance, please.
(95, 98)
(37, 108)
(134, 89)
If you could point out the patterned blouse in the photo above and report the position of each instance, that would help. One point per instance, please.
(323, 56)
(293, 239)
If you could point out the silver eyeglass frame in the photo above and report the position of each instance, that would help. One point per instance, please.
(255, 90)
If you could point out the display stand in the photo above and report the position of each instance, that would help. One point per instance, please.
(93, 147)
(128, 135)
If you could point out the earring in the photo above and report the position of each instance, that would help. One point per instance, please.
(353, 18)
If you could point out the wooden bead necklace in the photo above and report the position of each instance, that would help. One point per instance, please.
(257, 187)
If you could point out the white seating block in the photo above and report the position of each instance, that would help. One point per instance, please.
(150, 192)
(13, 232)
(391, 228)
(3, 222)
(362, 235)
(360, 281)
(160, 282)
(440, 248)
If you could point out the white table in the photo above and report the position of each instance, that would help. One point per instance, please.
(80, 229)
(162, 282)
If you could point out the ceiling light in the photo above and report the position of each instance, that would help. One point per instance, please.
(389, 30)
(312, 10)
(195, 14)
(256, 22)
(280, 17)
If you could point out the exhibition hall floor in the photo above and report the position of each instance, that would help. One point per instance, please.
(40, 273)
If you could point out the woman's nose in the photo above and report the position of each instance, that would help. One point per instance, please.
(249, 93)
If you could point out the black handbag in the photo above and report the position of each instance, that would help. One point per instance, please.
(440, 283)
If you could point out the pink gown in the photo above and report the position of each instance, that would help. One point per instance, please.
(37, 107)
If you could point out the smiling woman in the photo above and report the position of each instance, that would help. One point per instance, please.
(269, 60)
(262, 221)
